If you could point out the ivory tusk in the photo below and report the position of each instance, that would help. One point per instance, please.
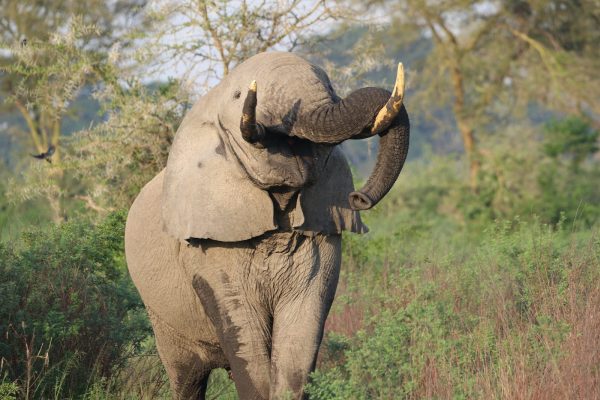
(251, 131)
(393, 105)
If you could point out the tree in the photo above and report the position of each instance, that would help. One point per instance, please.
(490, 57)
(214, 36)
(39, 83)
(50, 51)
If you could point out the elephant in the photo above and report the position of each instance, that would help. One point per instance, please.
(235, 247)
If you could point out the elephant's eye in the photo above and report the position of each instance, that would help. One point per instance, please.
(237, 94)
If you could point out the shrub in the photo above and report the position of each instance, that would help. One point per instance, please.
(508, 313)
(566, 176)
(387, 362)
(69, 310)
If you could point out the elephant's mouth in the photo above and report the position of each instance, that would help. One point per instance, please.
(291, 162)
(283, 148)
(303, 151)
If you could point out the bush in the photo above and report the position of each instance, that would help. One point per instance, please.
(551, 174)
(567, 183)
(509, 313)
(69, 311)
(387, 362)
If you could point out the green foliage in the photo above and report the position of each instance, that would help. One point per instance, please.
(451, 314)
(390, 357)
(104, 167)
(41, 78)
(519, 176)
(569, 194)
(8, 391)
(566, 178)
(113, 160)
(572, 137)
(220, 386)
(69, 309)
(29, 213)
(101, 168)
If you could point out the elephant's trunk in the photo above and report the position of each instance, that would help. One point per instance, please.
(393, 148)
(351, 117)
(362, 114)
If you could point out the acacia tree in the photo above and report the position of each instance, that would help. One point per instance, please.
(45, 79)
(211, 37)
(48, 52)
(102, 166)
(490, 59)
(46, 57)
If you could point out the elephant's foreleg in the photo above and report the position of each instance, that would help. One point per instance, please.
(243, 329)
(294, 353)
(300, 316)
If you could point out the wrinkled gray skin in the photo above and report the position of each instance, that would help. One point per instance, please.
(235, 247)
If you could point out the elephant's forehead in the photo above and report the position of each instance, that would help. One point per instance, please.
(284, 81)
(266, 64)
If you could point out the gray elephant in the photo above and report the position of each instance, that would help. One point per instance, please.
(235, 246)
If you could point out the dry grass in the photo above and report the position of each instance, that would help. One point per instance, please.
(523, 320)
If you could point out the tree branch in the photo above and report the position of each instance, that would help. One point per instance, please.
(33, 128)
(215, 36)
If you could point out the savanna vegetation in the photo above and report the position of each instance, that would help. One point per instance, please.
(480, 277)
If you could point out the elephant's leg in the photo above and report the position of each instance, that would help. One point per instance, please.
(293, 358)
(187, 366)
(300, 315)
(243, 329)
(296, 340)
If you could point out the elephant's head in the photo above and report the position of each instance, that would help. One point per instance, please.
(244, 152)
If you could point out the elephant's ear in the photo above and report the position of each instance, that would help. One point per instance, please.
(206, 195)
(324, 206)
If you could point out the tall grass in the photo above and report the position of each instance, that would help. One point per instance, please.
(434, 308)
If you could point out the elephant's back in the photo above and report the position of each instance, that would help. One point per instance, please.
(152, 260)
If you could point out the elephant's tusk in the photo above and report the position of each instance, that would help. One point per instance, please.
(393, 105)
(251, 131)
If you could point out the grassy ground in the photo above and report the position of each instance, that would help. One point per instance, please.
(434, 308)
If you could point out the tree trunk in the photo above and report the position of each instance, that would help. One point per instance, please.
(464, 125)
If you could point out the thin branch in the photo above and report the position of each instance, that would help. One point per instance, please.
(91, 204)
(55, 139)
(537, 46)
(440, 21)
(481, 33)
(33, 129)
(546, 57)
(215, 36)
